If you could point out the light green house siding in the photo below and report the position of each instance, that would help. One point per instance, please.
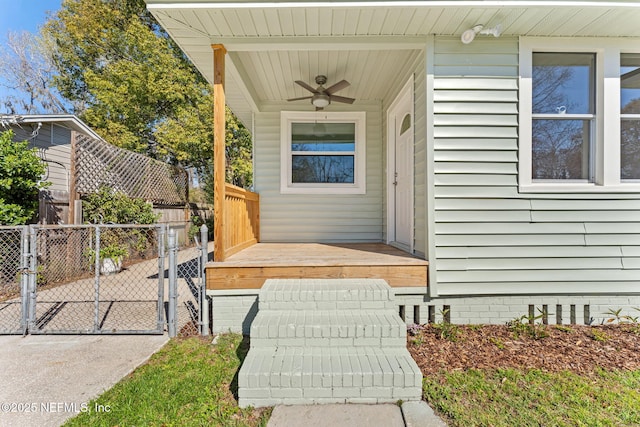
(489, 238)
(317, 217)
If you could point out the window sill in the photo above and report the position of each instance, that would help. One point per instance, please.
(581, 188)
(322, 190)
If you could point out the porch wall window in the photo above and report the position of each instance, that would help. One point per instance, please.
(323, 153)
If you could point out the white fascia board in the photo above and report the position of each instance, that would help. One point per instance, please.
(390, 4)
(251, 44)
(73, 120)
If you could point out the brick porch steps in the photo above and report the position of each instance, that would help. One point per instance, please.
(333, 328)
(327, 341)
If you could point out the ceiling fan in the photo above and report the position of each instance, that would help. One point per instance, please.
(322, 97)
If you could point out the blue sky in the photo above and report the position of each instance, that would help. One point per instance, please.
(23, 15)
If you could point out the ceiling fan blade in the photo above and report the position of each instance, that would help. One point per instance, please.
(342, 99)
(338, 86)
(300, 99)
(306, 86)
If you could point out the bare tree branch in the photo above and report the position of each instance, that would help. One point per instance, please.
(25, 63)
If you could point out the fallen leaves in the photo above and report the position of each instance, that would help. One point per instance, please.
(494, 346)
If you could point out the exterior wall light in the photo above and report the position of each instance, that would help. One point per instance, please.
(468, 36)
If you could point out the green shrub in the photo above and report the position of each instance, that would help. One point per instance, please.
(20, 173)
(110, 206)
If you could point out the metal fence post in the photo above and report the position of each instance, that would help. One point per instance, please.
(162, 239)
(96, 283)
(32, 275)
(202, 288)
(24, 280)
(173, 285)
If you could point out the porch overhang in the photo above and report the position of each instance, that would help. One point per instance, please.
(270, 42)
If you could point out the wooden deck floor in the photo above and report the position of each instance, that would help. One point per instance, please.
(250, 268)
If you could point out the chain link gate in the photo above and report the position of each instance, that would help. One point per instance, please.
(97, 279)
(102, 279)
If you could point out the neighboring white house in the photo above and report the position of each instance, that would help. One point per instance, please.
(499, 140)
(50, 134)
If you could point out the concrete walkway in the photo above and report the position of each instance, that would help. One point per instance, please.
(46, 379)
(412, 414)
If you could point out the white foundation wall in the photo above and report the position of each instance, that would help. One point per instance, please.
(233, 311)
(560, 309)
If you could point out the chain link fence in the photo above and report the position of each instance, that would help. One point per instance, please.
(188, 300)
(12, 281)
(101, 279)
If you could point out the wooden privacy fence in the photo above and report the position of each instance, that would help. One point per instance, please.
(241, 219)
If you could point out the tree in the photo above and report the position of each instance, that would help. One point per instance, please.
(238, 152)
(239, 158)
(20, 173)
(137, 89)
(27, 67)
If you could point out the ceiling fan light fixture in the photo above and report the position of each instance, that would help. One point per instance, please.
(320, 100)
(321, 96)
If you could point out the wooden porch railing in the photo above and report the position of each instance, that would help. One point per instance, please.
(241, 219)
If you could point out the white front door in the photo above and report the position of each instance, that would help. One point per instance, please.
(401, 169)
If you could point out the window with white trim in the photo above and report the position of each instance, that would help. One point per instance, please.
(630, 117)
(579, 115)
(323, 152)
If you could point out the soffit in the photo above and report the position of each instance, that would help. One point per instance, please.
(272, 45)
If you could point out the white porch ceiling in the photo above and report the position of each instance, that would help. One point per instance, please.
(271, 44)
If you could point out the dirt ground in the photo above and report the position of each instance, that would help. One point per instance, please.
(580, 349)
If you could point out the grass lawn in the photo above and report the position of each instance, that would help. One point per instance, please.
(513, 397)
(189, 382)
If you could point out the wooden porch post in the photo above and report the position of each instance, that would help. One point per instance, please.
(219, 166)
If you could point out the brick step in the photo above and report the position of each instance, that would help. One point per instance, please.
(296, 375)
(323, 294)
(317, 328)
